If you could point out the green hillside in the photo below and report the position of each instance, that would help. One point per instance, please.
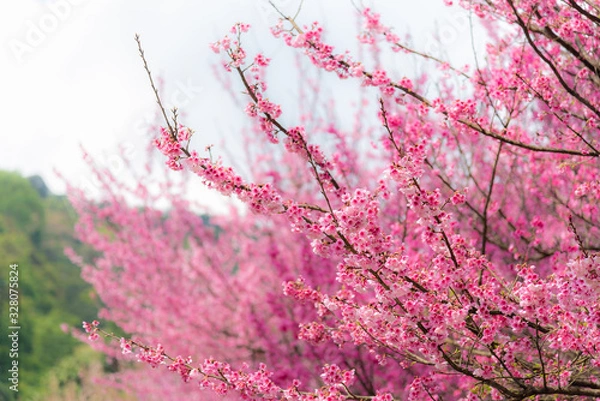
(35, 227)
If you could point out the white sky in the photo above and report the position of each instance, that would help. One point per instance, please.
(70, 74)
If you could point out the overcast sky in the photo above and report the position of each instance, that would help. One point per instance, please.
(70, 74)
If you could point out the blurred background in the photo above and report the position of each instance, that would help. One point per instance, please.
(72, 79)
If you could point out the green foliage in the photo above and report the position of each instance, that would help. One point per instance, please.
(22, 203)
(33, 233)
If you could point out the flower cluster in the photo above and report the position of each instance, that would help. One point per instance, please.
(372, 27)
(332, 375)
(182, 366)
(232, 47)
(173, 145)
(152, 356)
(91, 329)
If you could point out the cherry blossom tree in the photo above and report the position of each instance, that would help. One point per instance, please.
(454, 258)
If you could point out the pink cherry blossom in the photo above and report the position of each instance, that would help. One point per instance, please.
(443, 243)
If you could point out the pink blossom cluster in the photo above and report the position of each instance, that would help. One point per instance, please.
(332, 375)
(372, 26)
(173, 145)
(231, 47)
(152, 356)
(92, 329)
